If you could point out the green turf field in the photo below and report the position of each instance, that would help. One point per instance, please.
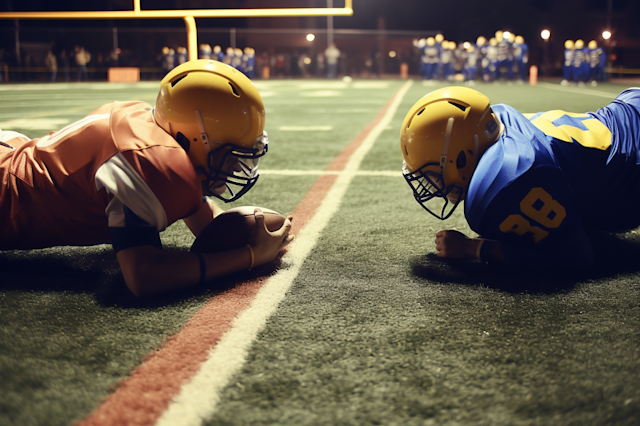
(373, 330)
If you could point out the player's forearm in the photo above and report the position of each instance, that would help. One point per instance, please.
(573, 253)
(148, 270)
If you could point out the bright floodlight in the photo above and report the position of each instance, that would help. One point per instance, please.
(606, 35)
(311, 37)
(392, 54)
(545, 34)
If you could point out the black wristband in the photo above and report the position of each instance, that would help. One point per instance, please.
(203, 268)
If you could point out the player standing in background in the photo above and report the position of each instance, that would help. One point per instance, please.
(167, 60)
(528, 184)
(481, 44)
(504, 56)
(181, 55)
(521, 54)
(431, 59)
(579, 62)
(127, 171)
(217, 54)
(567, 65)
(205, 51)
(490, 71)
(249, 62)
(446, 56)
(593, 58)
(471, 65)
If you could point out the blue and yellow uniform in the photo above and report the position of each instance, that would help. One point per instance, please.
(553, 175)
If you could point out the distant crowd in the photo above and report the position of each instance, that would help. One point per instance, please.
(504, 57)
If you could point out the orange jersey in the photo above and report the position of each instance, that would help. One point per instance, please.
(71, 186)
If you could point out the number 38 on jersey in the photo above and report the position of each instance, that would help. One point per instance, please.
(537, 206)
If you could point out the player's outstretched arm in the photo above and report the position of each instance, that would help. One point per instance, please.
(149, 270)
(572, 253)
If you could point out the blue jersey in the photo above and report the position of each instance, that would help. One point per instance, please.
(555, 173)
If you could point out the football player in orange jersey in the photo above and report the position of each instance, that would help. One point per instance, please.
(127, 171)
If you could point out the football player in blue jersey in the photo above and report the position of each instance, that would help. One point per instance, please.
(531, 186)
(567, 66)
(521, 53)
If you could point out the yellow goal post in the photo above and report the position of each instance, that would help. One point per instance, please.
(188, 15)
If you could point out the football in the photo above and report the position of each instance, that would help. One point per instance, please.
(232, 228)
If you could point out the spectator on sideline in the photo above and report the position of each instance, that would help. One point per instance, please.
(52, 65)
(331, 55)
(126, 171)
(82, 59)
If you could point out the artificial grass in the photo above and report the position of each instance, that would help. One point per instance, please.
(375, 330)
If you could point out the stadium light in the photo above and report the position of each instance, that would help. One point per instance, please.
(311, 37)
(606, 35)
(545, 34)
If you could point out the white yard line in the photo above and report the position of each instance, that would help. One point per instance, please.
(578, 90)
(393, 173)
(198, 399)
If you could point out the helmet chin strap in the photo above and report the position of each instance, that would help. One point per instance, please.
(445, 152)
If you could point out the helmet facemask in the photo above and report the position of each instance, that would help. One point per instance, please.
(430, 192)
(232, 169)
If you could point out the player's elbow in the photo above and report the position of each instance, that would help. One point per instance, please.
(138, 266)
(138, 283)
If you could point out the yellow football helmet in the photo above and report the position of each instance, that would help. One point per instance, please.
(442, 139)
(217, 115)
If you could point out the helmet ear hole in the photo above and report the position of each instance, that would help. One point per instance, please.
(174, 82)
(461, 161)
(233, 88)
(183, 141)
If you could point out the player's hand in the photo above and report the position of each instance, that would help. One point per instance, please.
(265, 244)
(454, 245)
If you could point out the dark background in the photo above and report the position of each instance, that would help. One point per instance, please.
(458, 20)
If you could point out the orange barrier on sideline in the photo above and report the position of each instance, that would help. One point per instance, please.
(533, 75)
(121, 74)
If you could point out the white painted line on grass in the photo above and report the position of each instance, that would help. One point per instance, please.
(198, 399)
(35, 124)
(392, 173)
(578, 90)
(305, 128)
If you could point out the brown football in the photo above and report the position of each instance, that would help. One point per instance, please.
(232, 228)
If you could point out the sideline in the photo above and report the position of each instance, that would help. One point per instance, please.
(180, 383)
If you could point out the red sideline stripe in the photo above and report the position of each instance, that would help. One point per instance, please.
(141, 398)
